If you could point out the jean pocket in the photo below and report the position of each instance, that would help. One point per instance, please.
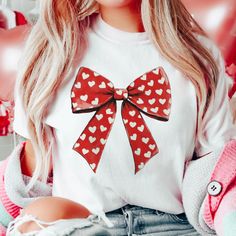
(180, 218)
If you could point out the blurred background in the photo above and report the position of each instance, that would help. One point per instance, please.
(216, 17)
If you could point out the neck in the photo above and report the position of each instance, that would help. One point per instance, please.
(127, 18)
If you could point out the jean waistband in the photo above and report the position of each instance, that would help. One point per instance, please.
(139, 209)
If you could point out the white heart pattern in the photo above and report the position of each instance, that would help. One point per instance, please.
(148, 95)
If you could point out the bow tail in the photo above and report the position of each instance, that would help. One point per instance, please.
(92, 140)
(141, 140)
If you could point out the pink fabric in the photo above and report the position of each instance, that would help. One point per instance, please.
(10, 207)
(2, 230)
(225, 173)
(227, 206)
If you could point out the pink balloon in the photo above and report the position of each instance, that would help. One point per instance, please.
(11, 44)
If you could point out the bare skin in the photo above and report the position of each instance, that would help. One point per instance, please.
(121, 14)
(50, 209)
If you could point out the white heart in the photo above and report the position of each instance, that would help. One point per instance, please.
(132, 84)
(85, 76)
(162, 101)
(132, 113)
(119, 92)
(166, 111)
(152, 146)
(141, 88)
(144, 77)
(95, 101)
(159, 91)
(151, 83)
(156, 71)
(141, 165)
(76, 145)
(92, 139)
(154, 109)
(96, 150)
(91, 83)
(132, 124)
(72, 95)
(145, 140)
(147, 154)
(152, 101)
(103, 128)
(137, 151)
(83, 136)
(93, 166)
(96, 74)
(99, 117)
(74, 104)
(110, 84)
(170, 101)
(92, 129)
(141, 128)
(78, 85)
(110, 120)
(162, 80)
(125, 121)
(133, 137)
(168, 91)
(85, 151)
(103, 141)
(109, 111)
(145, 109)
(148, 92)
(140, 101)
(84, 97)
(102, 85)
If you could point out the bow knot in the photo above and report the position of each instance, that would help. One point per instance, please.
(120, 94)
(149, 94)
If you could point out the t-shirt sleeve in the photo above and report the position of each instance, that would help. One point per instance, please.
(20, 119)
(217, 127)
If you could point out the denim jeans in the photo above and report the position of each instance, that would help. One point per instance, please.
(134, 220)
(128, 220)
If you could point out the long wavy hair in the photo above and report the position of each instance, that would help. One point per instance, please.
(60, 34)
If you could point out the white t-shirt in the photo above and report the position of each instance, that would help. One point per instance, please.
(122, 57)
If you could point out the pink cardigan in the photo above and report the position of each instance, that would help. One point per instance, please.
(220, 201)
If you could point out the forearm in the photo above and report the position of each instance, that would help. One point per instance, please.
(27, 159)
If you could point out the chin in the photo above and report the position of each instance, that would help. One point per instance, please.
(115, 3)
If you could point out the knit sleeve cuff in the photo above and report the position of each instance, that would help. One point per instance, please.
(10, 208)
(16, 187)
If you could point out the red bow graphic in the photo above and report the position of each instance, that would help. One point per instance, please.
(149, 94)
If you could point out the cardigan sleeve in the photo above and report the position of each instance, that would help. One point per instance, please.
(13, 193)
(217, 130)
(220, 204)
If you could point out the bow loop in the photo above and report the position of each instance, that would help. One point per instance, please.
(151, 94)
(90, 90)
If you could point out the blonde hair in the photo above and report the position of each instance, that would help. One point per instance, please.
(60, 34)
